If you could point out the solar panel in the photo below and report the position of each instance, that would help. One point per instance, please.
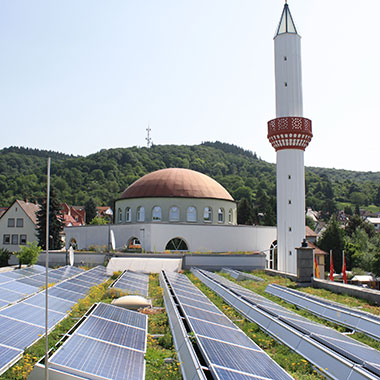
(32, 314)
(132, 282)
(56, 304)
(83, 356)
(73, 287)
(220, 341)
(8, 356)
(347, 347)
(113, 332)
(355, 319)
(65, 294)
(255, 362)
(19, 287)
(117, 314)
(18, 334)
(9, 296)
(31, 281)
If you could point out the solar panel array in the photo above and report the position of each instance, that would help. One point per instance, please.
(228, 351)
(358, 354)
(110, 344)
(17, 284)
(133, 283)
(23, 323)
(238, 275)
(355, 319)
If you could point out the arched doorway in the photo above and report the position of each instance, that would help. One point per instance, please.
(176, 244)
(73, 243)
(133, 245)
(272, 262)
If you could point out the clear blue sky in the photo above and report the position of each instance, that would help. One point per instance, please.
(78, 76)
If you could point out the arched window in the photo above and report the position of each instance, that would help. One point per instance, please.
(191, 214)
(156, 213)
(176, 244)
(141, 214)
(128, 214)
(221, 215)
(119, 215)
(207, 214)
(230, 216)
(174, 214)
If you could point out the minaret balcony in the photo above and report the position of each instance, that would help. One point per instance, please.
(289, 133)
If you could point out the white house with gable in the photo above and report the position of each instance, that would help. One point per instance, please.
(18, 225)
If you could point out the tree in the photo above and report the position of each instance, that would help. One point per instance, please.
(55, 223)
(29, 253)
(4, 257)
(91, 211)
(244, 212)
(333, 239)
(99, 221)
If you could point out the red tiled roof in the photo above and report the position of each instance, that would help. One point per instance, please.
(317, 250)
(176, 182)
(310, 232)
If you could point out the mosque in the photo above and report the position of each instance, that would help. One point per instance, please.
(176, 210)
(183, 210)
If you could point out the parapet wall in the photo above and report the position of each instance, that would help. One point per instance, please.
(371, 295)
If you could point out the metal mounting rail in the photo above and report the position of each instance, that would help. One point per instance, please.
(190, 366)
(329, 362)
(354, 319)
(238, 275)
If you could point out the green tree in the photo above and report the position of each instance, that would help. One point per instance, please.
(333, 239)
(55, 223)
(4, 257)
(309, 221)
(99, 221)
(90, 208)
(244, 212)
(28, 255)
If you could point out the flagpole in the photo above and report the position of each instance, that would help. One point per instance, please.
(46, 269)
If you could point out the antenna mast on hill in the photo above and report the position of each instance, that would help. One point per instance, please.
(148, 139)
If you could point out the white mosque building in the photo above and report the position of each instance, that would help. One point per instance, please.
(175, 210)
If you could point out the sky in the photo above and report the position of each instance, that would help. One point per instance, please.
(81, 76)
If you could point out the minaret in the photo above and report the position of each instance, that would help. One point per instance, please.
(289, 134)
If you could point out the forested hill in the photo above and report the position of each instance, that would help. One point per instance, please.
(104, 175)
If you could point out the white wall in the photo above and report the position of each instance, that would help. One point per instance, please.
(199, 238)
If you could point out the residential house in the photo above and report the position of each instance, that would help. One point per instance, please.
(18, 225)
(73, 215)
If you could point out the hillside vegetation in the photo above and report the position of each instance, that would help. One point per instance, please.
(105, 174)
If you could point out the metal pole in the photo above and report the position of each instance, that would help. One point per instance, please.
(47, 273)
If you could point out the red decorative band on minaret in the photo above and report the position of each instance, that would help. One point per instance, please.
(289, 133)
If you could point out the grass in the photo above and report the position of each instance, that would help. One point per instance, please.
(161, 357)
(292, 362)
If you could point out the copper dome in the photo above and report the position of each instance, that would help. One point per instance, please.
(175, 182)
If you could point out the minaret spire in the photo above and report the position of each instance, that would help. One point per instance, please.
(286, 24)
(289, 134)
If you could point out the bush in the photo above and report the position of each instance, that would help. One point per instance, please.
(4, 257)
(28, 254)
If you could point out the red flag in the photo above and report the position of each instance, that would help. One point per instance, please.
(316, 267)
(344, 269)
(331, 267)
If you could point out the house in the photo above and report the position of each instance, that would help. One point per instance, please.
(104, 212)
(73, 215)
(18, 225)
(375, 222)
